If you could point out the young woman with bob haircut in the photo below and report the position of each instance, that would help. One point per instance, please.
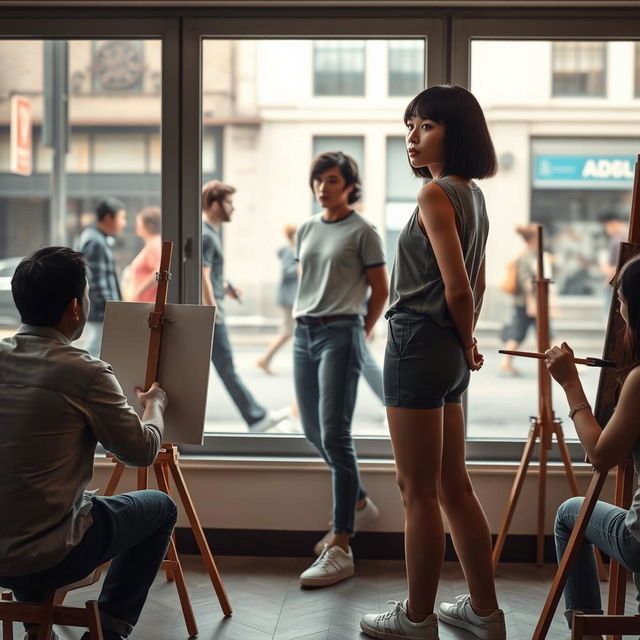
(615, 531)
(341, 259)
(437, 286)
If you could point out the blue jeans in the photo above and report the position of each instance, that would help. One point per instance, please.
(222, 358)
(133, 531)
(327, 359)
(372, 373)
(607, 531)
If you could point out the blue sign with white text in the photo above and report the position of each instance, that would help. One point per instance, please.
(583, 171)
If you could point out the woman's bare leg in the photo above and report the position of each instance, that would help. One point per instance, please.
(466, 518)
(416, 436)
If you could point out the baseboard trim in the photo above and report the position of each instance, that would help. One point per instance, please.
(366, 545)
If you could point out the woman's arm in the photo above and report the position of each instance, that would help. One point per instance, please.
(143, 286)
(609, 446)
(438, 220)
(481, 286)
(378, 280)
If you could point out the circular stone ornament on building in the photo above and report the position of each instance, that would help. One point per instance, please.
(118, 65)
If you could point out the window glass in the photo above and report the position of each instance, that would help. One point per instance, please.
(108, 147)
(260, 133)
(558, 170)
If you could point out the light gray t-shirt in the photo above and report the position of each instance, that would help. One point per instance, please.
(416, 281)
(334, 257)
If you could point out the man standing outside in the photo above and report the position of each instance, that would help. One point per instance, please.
(56, 404)
(217, 209)
(95, 244)
(617, 231)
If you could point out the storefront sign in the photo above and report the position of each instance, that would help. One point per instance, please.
(583, 171)
(20, 136)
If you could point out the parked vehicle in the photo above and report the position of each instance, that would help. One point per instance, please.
(9, 316)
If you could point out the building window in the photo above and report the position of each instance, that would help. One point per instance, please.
(579, 69)
(637, 71)
(338, 67)
(406, 67)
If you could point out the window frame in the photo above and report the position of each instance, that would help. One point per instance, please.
(449, 33)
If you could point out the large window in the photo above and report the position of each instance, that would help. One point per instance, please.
(579, 69)
(636, 69)
(339, 67)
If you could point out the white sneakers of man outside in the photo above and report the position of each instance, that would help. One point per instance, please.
(271, 419)
(363, 517)
(331, 566)
(395, 625)
(461, 614)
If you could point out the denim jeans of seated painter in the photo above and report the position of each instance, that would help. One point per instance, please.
(133, 531)
(327, 359)
(606, 531)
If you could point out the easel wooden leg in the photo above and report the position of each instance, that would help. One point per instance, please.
(173, 564)
(116, 475)
(198, 533)
(573, 546)
(143, 479)
(46, 621)
(93, 616)
(515, 493)
(566, 459)
(542, 501)
(7, 625)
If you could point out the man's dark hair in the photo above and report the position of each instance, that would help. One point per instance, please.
(46, 282)
(468, 149)
(610, 216)
(109, 207)
(347, 166)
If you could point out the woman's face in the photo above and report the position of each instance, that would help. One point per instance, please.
(624, 307)
(425, 142)
(330, 188)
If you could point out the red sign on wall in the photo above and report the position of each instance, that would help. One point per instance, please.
(20, 136)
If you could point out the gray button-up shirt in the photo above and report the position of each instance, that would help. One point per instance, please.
(56, 403)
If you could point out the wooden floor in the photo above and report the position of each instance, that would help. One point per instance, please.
(269, 604)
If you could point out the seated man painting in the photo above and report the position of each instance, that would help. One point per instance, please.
(56, 403)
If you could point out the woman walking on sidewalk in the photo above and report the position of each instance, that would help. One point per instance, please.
(437, 285)
(341, 257)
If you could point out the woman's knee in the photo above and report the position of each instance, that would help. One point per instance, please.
(165, 505)
(567, 514)
(417, 489)
(452, 492)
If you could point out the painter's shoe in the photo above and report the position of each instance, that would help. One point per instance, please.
(395, 625)
(461, 614)
(331, 566)
(362, 518)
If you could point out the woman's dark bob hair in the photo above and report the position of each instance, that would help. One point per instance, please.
(468, 149)
(348, 169)
(628, 284)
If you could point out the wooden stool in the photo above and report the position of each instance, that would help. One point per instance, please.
(589, 624)
(52, 612)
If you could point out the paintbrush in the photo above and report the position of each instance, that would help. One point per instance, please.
(590, 362)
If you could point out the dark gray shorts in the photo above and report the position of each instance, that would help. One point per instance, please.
(424, 364)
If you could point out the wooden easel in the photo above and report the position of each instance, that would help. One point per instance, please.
(543, 427)
(605, 402)
(167, 463)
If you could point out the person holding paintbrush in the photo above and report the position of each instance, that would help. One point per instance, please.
(615, 531)
(437, 287)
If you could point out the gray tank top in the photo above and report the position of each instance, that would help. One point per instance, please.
(416, 281)
(633, 516)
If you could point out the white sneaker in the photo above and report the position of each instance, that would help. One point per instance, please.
(331, 566)
(270, 420)
(395, 624)
(461, 614)
(362, 519)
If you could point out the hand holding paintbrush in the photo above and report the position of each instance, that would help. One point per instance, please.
(589, 362)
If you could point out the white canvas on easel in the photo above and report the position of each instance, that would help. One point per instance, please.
(184, 361)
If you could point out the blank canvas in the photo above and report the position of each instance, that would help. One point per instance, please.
(185, 358)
